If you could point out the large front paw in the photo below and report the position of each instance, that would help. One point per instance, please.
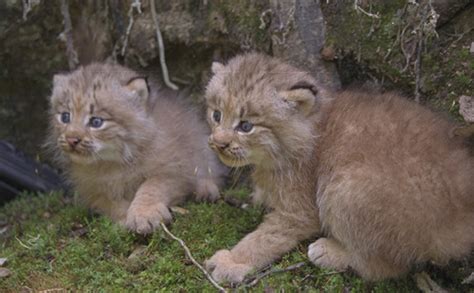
(145, 219)
(224, 268)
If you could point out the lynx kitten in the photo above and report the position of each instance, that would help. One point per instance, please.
(376, 176)
(130, 150)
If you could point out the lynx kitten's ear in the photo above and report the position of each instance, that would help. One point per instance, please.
(139, 86)
(217, 67)
(59, 84)
(303, 95)
(59, 79)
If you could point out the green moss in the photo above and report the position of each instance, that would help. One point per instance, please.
(51, 243)
(242, 19)
(447, 66)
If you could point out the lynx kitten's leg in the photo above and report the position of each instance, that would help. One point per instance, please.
(150, 205)
(274, 237)
(257, 195)
(327, 253)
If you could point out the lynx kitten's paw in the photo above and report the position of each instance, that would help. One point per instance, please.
(327, 253)
(145, 219)
(224, 268)
(207, 190)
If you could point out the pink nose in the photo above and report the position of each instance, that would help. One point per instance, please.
(218, 144)
(73, 141)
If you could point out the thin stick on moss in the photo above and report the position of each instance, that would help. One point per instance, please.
(190, 256)
(255, 279)
(161, 48)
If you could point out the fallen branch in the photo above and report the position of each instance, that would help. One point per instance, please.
(189, 255)
(161, 48)
(255, 279)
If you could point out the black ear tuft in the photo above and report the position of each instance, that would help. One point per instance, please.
(305, 85)
(303, 95)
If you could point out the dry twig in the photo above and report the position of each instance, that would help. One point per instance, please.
(255, 279)
(189, 255)
(359, 9)
(161, 48)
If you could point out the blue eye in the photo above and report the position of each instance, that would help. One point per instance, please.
(216, 116)
(96, 122)
(65, 117)
(245, 126)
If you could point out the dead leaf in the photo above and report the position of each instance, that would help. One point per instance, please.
(463, 131)
(79, 232)
(233, 201)
(466, 108)
(269, 289)
(426, 284)
(179, 210)
(138, 252)
(4, 272)
(469, 280)
(328, 53)
(136, 260)
(3, 230)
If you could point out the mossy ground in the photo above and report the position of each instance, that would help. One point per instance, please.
(50, 243)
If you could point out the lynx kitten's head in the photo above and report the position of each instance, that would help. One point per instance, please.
(99, 113)
(261, 110)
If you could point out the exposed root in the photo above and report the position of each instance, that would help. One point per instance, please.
(360, 9)
(418, 26)
(161, 48)
(27, 7)
(66, 36)
(135, 5)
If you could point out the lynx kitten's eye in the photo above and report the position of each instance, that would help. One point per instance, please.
(65, 117)
(245, 126)
(96, 122)
(216, 116)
